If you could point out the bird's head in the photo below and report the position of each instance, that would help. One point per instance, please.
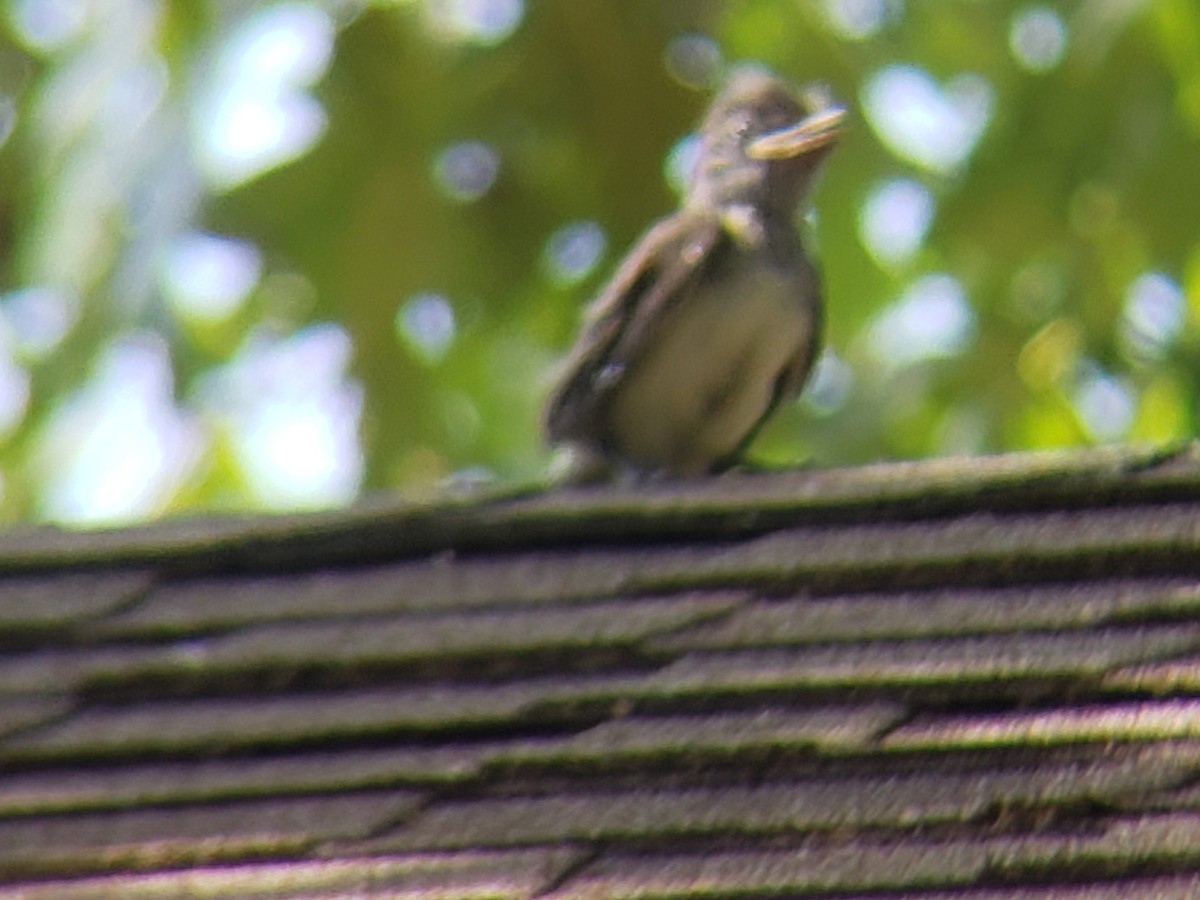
(762, 142)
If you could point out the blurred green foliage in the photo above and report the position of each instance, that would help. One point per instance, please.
(1037, 281)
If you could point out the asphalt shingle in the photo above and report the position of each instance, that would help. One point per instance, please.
(976, 679)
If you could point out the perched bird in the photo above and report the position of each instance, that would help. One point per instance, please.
(714, 317)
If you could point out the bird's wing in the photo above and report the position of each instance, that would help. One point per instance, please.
(627, 313)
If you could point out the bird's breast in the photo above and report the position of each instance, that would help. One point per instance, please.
(691, 397)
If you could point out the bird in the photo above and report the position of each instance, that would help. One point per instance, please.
(714, 317)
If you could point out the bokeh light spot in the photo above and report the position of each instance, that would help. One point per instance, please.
(680, 163)
(118, 448)
(292, 415)
(46, 25)
(1153, 315)
(923, 123)
(893, 222)
(857, 20)
(932, 319)
(830, 384)
(136, 92)
(1051, 354)
(466, 170)
(1037, 38)
(425, 323)
(36, 319)
(573, 251)
(1038, 289)
(486, 22)
(1105, 404)
(256, 114)
(14, 391)
(694, 60)
(209, 277)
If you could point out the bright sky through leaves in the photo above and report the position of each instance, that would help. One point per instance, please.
(270, 254)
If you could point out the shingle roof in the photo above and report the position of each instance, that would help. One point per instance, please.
(979, 677)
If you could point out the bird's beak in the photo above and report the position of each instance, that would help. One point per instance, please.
(812, 132)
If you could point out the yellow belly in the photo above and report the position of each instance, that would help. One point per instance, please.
(710, 376)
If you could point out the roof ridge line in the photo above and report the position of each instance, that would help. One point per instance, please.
(392, 527)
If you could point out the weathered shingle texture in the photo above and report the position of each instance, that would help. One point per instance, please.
(971, 679)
